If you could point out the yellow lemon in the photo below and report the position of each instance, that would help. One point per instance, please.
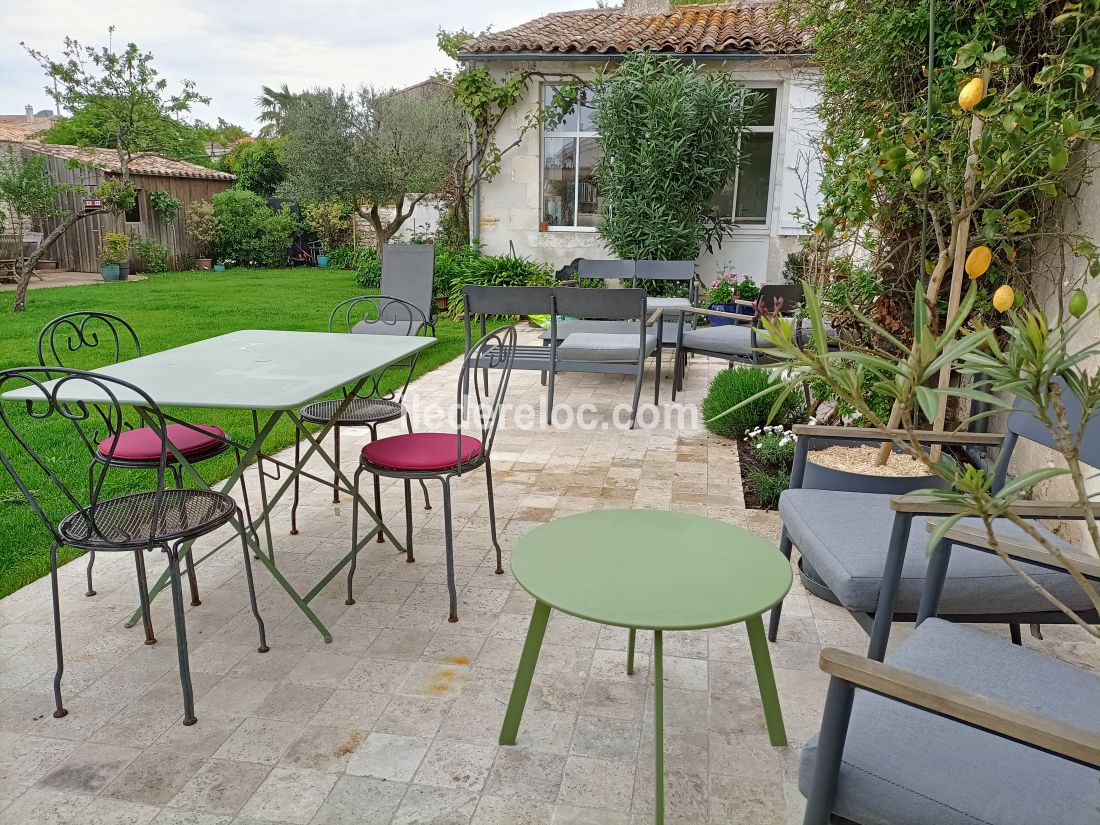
(971, 93)
(977, 262)
(1004, 298)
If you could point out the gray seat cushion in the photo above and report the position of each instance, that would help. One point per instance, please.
(604, 346)
(904, 766)
(845, 538)
(569, 326)
(735, 339)
(666, 303)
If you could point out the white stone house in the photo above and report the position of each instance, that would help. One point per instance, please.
(544, 203)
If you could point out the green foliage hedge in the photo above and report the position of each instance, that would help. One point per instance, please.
(730, 387)
(249, 232)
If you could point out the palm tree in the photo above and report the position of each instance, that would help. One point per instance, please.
(273, 104)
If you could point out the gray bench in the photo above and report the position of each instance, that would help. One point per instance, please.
(617, 337)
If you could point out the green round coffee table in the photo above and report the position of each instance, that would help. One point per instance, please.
(649, 570)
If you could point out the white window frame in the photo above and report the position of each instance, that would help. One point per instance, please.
(576, 135)
(764, 228)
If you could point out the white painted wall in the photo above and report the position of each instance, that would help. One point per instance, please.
(510, 203)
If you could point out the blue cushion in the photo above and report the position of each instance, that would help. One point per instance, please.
(905, 766)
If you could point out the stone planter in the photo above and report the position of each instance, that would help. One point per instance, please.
(442, 302)
(45, 265)
(204, 263)
(109, 272)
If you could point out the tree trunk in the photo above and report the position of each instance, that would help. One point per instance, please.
(384, 231)
(24, 269)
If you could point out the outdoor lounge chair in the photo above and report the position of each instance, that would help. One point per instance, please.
(864, 550)
(958, 727)
(741, 341)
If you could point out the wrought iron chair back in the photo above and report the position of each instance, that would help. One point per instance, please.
(494, 354)
(61, 341)
(98, 420)
(380, 315)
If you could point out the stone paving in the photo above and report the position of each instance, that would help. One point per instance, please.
(396, 721)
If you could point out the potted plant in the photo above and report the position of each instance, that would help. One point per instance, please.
(118, 245)
(202, 226)
(721, 297)
(112, 254)
(330, 221)
(747, 290)
(544, 224)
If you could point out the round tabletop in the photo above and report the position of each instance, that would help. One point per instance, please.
(651, 569)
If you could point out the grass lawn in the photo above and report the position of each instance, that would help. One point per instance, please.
(166, 311)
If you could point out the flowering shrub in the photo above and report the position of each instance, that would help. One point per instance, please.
(774, 445)
(724, 289)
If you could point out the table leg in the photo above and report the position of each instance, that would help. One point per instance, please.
(765, 680)
(659, 726)
(630, 652)
(522, 686)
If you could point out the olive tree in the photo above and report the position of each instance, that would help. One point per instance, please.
(371, 150)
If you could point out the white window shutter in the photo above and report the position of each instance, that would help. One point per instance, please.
(801, 172)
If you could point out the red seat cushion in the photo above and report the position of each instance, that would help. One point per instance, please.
(421, 451)
(143, 444)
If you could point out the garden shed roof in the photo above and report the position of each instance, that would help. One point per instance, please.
(107, 160)
(724, 28)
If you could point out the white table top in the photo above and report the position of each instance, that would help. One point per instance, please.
(250, 370)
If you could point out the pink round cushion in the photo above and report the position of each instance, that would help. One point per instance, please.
(143, 444)
(421, 451)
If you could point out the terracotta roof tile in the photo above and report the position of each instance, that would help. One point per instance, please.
(736, 27)
(107, 159)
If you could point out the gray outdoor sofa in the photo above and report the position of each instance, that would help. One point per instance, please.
(619, 337)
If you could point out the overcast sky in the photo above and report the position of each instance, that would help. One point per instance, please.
(232, 47)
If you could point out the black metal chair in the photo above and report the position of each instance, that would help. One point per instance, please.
(81, 336)
(447, 455)
(367, 315)
(164, 518)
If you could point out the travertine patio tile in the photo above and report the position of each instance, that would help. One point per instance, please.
(397, 720)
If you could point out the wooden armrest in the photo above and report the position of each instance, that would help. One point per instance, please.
(1024, 726)
(1022, 549)
(655, 317)
(874, 434)
(718, 313)
(922, 504)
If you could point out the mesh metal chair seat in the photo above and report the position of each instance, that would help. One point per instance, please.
(358, 411)
(126, 522)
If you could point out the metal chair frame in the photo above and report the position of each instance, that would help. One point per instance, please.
(89, 330)
(401, 318)
(496, 350)
(92, 422)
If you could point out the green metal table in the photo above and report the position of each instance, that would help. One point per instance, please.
(270, 372)
(650, 570)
